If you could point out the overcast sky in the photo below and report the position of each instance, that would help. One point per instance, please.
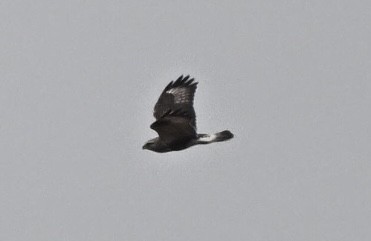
(291, 79)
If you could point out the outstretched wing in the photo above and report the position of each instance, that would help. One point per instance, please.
(175, 127)
(177, 95)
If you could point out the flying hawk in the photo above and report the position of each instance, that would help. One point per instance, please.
(176, 119)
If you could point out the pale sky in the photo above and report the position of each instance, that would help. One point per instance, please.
(291, 80)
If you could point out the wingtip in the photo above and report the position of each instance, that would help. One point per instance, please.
(179, 78)
(182, 81)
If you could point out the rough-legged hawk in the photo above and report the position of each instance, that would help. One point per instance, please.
(176, 119)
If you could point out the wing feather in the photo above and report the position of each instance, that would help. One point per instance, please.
(178, 94)
(174, 127)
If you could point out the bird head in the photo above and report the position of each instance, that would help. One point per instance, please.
(156, 145)
(149, 145)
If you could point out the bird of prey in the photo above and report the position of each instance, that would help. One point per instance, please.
(176, 119)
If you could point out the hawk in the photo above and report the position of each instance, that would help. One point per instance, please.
(176, 119)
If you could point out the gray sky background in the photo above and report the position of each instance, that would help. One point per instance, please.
(291, 79)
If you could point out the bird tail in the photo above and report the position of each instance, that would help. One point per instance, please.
(217, 137)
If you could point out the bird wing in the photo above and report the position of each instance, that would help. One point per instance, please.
(175, 127)
(177, 95)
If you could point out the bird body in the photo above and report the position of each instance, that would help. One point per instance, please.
(176, 119)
